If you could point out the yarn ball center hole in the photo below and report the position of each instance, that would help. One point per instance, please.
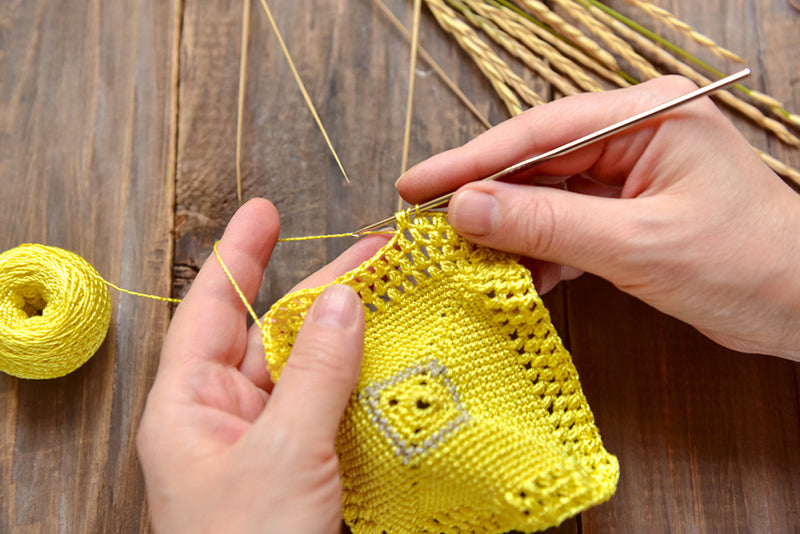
(33, 302)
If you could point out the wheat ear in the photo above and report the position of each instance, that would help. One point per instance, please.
(546, 36)
(515, 48)
(665, 16)
(790, 173)
(671, 62)
(503, 20)
(601, 31)
(485, 53)
(569, 31)
(483, 56)
(776, 107)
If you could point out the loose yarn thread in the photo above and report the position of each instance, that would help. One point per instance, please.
(354, 235)
(55, 309)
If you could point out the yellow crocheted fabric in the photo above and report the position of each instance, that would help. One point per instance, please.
(468, 414)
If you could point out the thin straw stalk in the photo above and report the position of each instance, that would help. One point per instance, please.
(434, 65)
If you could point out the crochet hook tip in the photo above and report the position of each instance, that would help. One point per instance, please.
(374, 226)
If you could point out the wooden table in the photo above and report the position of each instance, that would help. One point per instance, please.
(117, 141)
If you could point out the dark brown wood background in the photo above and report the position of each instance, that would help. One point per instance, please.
(117, 141)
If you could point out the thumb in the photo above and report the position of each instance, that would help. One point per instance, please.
(593, 234)
(323, 369)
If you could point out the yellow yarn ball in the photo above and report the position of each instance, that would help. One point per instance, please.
(54, 311)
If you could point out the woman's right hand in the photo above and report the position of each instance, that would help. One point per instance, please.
(678, 211)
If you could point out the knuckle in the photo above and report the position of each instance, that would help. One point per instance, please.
(538, 228)
(318, 356)
(655, 91)
(676, 84)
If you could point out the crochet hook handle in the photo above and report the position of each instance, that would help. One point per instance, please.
(582, 142)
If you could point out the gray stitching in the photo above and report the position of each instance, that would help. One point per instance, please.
(371, 397)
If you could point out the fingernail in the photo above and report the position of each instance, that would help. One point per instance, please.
(336, 307)
(473, 212)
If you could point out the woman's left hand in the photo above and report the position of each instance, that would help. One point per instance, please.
(222, 450)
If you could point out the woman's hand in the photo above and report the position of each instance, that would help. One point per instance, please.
(677, 211)
(221, 450)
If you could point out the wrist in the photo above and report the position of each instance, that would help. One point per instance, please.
(782, 267)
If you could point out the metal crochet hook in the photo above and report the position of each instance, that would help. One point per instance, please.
(579, 143)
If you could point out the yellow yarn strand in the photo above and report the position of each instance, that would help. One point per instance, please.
(143, 295)
(236, 287)
(312, 237)
(334, 236)
(55, 309)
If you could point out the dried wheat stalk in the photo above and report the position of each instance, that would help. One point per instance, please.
(571, 32)
(515, 48)
(567, 50)
(728, 98)
(678, 66)
(538, 46)
(665, 16)
(580, 44)
(774, 106)
(499, 74)
(623, 49)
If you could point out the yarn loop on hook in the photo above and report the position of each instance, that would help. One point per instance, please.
(54, 311)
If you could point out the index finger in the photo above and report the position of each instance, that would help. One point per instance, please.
(210, 323)
(546, 127)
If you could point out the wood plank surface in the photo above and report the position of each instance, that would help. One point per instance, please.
(86, 156)
(118, 124)
(360, 94)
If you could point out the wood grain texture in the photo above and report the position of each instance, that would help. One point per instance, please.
(106, 134)
(355, 66)
(86, 129)
(707, 439)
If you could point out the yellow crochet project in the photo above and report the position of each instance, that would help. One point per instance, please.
(468, 414)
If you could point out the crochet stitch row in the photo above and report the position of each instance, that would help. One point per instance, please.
(468, 414)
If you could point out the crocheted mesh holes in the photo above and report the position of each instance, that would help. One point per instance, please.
(468, 414)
